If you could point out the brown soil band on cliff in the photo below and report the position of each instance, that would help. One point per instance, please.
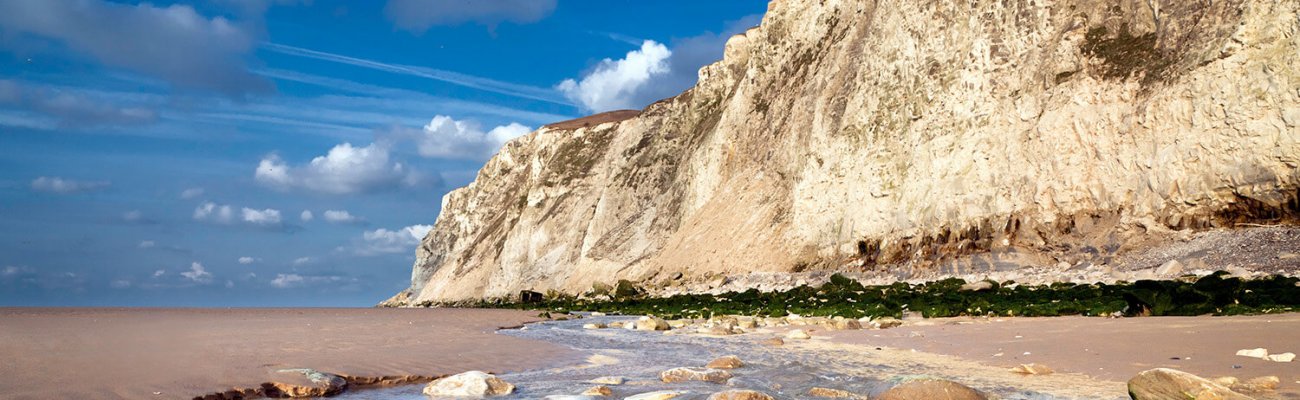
(121, 353)
(594, 119)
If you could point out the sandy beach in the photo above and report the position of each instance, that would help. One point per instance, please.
(116, 353)
(1103, 348)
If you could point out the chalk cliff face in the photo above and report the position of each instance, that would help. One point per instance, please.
(898, 135)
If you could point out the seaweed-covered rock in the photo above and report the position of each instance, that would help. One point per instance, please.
(1165, 383)
(304, 382)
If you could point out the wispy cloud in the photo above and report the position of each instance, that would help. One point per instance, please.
(455, 78)
(67, 186)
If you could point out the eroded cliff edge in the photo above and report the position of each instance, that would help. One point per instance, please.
(901, 136)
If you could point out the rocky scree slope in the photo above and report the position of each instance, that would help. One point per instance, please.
(899, 135)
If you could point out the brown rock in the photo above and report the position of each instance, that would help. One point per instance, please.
(469, 384)
(1164, 383)
(740, 395)
(776, 341)
(304, 382)
(695, 374)
(726, 362)
(1256, 385)
(930, 389)
(598, 391)
(833, 393)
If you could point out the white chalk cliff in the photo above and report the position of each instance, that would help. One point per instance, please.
(862, 134)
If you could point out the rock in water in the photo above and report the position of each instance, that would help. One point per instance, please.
(776, 341)
(594, 326)
(1165, 384)
(798, 334)
(1254, 353)
(1032, 369)
(469, 384)
(303, 382)
(649, 323)
(930, 389)
(608, 380)
(833, 393)
(598, 391)
(695, 374)
(740, 395)
(1283, 357)
(660, 395)
(726, 362)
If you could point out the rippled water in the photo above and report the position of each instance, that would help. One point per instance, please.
(785, 372)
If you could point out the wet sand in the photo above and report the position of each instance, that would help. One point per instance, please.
(1106, 349)
(131, 353)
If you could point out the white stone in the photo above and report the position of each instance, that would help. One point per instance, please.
(1254, 353)
(1284, 357)
(659, 395)
(469, 384)
(798, 334)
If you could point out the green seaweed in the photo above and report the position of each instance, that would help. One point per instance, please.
(1215, 294)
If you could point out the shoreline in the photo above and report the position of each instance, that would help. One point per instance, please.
(181, 353)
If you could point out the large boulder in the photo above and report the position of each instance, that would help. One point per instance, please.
(930, 389)
(726, 362)
(304, 382)
(740, 395)
(649, 323)
(469, 384)
(1165, 383)
(684, 374)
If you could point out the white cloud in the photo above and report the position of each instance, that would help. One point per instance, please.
(261, 217)
(286, 280)
(301, 260)
(383, 241)
(67, 186)
(147, 244)
(417, 16)
(191, 193)
(210, 211)
(159, 273)
(10, 271)
(617, 84)
(341, 217)
(132, 216)
(652, 72)
(445, 137)
(306, 216)
(345, 169)
(120, 284)
(247, 260)
(174, 42)
(197, 273)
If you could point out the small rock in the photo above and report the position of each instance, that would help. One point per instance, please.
(304, 382)
(616, 324)
(469, 384)
(1254, 353)
(976, 286)
(594, 326)
(740, 395)
(776, 341)
(684, 374)
(1165, 383)
(1227, 381)
(1032, 369)
(847, 324)
(930, 389)
(799, 334)
(725, 362)
(568, 397)
(608, 380)
(833, 393)
(716, 330)
(601, 390)
(886, 323)
(1284, 357)
(649, 323)
(660, 395)
(597, 314)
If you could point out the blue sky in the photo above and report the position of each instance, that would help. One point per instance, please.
(289, 153)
